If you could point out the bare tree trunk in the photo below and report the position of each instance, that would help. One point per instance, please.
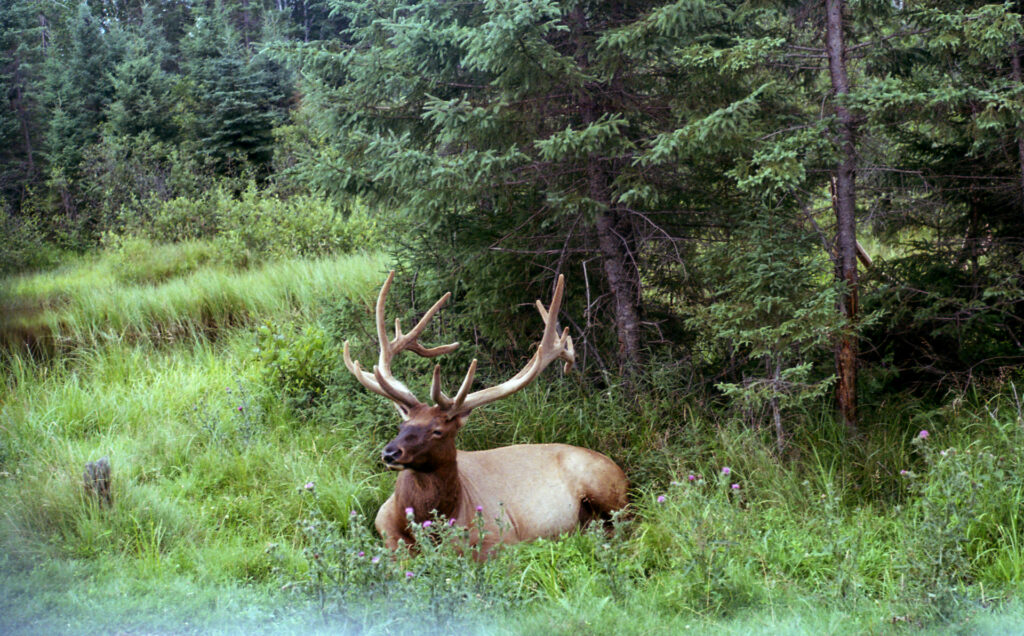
(845, 207)
(615, 236)
(23, 117)
(623, 279)
(1015, 71)
(780, 434)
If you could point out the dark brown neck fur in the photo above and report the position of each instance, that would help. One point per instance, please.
(426, 492)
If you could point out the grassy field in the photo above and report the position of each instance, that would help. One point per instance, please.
(216, 394)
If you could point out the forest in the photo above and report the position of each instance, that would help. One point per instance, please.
(792, 235)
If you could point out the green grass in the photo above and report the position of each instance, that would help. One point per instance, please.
(213, 532)
(89, 302)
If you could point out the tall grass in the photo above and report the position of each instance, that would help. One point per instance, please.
(213, 530)
(87, 303)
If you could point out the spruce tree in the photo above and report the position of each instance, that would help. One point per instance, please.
(525, 138)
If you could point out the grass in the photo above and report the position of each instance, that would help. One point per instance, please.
(88, 302)
(212, 530)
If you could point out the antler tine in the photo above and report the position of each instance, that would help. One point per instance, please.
(436, 394)
(381, 381)
(552, 347)
(460, 397)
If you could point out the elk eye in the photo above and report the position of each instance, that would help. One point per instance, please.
(437, 432)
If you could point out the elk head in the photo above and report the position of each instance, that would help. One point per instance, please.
(426, 437)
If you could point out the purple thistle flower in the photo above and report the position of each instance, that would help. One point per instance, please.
(239, 409)
(692, 478)
(726, 470)
(904, 472)
(923, 434)
(408, 511)
(375, 560)
(735, 486)
(451, 521)
(661, 498)
(428, 523)
(352, 513)
(479, 508)
(310, 485)
(361, 554)
(409, 575)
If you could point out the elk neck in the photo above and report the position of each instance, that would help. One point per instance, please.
(427, 491)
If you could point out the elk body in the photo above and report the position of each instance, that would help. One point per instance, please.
(522, 492)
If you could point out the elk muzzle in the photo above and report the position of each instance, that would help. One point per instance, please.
(391, 455)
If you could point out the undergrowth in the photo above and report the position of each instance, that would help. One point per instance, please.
(245, 476)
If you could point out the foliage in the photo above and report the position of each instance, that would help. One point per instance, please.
(205, 494)
(301, 366)
(770, 310)
(256, 226)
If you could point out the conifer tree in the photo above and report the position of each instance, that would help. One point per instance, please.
(21, 114)
(522, 137)
(238, 97)
(143, 92)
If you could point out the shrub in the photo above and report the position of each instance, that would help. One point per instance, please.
(301, 366)
(357, 580)
(257, 225)
(138, 260)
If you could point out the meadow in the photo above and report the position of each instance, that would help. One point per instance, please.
(246, 475)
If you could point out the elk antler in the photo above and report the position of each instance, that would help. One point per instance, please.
(381, 381)
(552, 346)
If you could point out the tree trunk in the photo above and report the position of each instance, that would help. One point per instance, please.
(615, 236)
(845, 208)
(1015, 71)
(23, 118)
(623, 280)
(780, 433)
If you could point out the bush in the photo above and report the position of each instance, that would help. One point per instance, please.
(22, 245)
(300, 366)
(138, 260)
(360, 582)
(256, 225)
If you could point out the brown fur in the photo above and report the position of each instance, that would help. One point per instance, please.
(524, 492)
(521, 492)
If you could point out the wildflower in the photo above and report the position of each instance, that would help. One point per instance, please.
(310, 485)
(375, 560)
(239, 409)
(427, 523)
(352, 513)
(361, 554)
(409, 575)
(692, 477)
(451, 521)
(726, 470)
(923, 434)
(479, 508)
(661, 498)
(408, 511)
(735, 486)
(904, 472)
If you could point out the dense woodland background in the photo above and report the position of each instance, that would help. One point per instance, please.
(785, 225)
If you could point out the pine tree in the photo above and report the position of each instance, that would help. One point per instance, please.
(143, 97)
(238, 97)
(530, 137)
(21, 113)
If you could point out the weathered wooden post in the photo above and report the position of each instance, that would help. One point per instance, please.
(97, 480)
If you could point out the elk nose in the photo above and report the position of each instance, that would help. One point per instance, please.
(391, 453)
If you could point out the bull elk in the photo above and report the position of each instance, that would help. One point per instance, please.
(523, 492)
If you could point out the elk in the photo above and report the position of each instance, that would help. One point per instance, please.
(523, 492)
